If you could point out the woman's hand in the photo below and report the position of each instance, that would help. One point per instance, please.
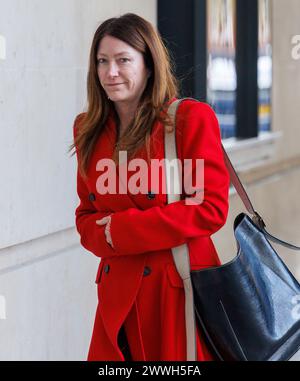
(106, 220)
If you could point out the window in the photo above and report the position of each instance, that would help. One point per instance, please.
(264, 65)
(221, 72)
(222, 52)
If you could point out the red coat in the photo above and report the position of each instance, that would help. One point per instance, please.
(138, 283)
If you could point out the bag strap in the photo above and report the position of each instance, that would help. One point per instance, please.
(181, 253)
(257, 219)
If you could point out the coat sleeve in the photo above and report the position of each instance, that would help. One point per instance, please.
(92, 236)
(135, 231)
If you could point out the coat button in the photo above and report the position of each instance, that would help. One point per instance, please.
(147, 271)
(92, 197)
(151, 195)
(106, 269)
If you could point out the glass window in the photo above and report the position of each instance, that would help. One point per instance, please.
(264, 65)
(221, 72)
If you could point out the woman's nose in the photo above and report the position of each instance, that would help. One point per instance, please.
(113, 69)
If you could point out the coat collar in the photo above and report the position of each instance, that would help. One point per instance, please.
(111, 120)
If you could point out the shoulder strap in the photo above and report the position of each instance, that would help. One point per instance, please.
(257, 219)
(181, 253)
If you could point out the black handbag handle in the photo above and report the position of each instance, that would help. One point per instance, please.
(257, 219)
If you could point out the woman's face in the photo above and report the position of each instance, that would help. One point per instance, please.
(121, 70)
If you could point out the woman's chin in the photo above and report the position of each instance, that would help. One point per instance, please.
(117, 97)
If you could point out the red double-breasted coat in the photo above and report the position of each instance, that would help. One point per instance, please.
(137, 281)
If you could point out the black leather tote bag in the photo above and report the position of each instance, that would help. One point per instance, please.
(247, 308)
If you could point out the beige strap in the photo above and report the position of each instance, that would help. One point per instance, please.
(180, 253)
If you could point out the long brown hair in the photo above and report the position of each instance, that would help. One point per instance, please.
(161, 87)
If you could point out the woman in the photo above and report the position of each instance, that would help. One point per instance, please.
(140, 312)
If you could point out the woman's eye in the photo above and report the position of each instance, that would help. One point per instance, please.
(102, 60)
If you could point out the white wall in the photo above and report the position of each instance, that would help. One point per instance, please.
(47, 289)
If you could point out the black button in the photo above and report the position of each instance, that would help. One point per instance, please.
(106, 269)
(92, 197)
(151, 195)
(147, 271)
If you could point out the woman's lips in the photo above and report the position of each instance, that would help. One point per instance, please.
(115, 84)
